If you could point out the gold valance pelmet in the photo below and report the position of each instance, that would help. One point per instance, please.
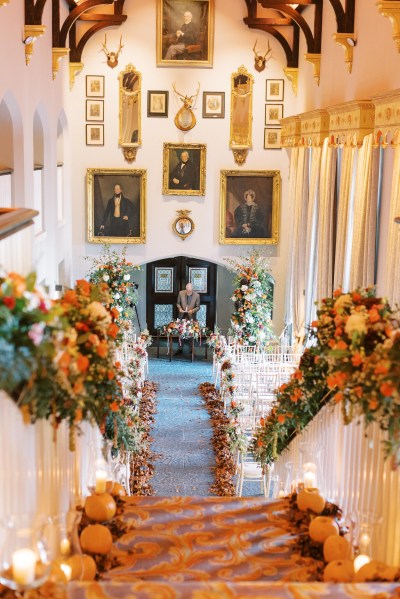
(387, 118)
(350, 122)
(314, 127)
(290, 133)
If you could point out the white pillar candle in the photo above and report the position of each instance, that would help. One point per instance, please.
(101, 481)
(67, 571)
(65, 547)
(281, 494)
(309, 480)
(23, 566)
(360, 561)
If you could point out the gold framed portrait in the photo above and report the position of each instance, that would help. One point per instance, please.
(249, 207)
(185, 33)
(184, 169)
(116, 205)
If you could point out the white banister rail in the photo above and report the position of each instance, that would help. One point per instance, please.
(352, 472)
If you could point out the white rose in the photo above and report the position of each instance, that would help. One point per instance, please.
(116, 296)
(262, 335)
(127, 277)
(106, 278)
(244, 288)
(252, 338)
(356, 323)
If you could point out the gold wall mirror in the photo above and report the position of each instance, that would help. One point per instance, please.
(130, 127)
(241, 114)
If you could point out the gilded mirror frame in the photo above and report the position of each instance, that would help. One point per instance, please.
(241, 115)
(130, 113)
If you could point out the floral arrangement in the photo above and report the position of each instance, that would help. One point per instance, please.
(251, 321)
(185, 329)
(87, 379)
(28, 319)
(113, 269)
(355, 361)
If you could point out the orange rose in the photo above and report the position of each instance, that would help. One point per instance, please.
(84, 286)
(331, 343)
(337, 292)
(338, 397)
(387, 389)
(102, 349)
(373, 404)
(260, 443)
(382, 368)
(82, 363)
(281, 418)
(110, 375)
(374, 315)
(341, 345)
(113, 330)
(65, 360)
(357, 359)
(114, 407)
(78, 386)
(78, 415)
(69, 297)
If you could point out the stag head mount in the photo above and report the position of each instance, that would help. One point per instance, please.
(112, 57)
(185, 118)
(260, 61)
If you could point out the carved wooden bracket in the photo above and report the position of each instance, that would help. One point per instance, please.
(283, 14)
(391, 10)
(347, 41)
(293, 75)
(315, 60)
(240, 156)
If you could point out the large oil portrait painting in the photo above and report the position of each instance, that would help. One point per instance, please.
(249, 207)
(116, 205)
(185, 32)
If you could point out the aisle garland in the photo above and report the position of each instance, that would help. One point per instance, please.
(142, 462)
(225, 464)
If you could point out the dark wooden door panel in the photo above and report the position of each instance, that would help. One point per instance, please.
(165, 278)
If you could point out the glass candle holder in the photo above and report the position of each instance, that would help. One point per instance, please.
(24, 557)
(100, 477)
(64, 549)
(365, 529)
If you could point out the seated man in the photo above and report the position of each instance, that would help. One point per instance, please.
(185, 36)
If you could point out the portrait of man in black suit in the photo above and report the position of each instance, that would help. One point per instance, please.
(116, 206)
(185, 174)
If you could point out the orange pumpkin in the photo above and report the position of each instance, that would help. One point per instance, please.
(96, 538)
(100, 507)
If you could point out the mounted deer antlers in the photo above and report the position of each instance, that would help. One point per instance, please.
(184, 118)
(260, 61)
(112, 57)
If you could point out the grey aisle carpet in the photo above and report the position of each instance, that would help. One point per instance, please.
(182, 429)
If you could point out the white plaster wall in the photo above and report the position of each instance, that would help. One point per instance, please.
(233, 47)
(26, 89)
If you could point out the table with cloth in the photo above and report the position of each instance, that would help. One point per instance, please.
(206, 547)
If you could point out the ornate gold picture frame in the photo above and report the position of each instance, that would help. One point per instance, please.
(116, 205)
(184, 169)
(249, 207)
(185, 33)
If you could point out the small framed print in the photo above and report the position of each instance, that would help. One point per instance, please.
(274, 90)
(273, 113)
(95, 86)
(157, 103)
(272, 138)
(95, 110)
(213, 105)
(95, 135)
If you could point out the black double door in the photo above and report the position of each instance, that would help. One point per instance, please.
(165, 278)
